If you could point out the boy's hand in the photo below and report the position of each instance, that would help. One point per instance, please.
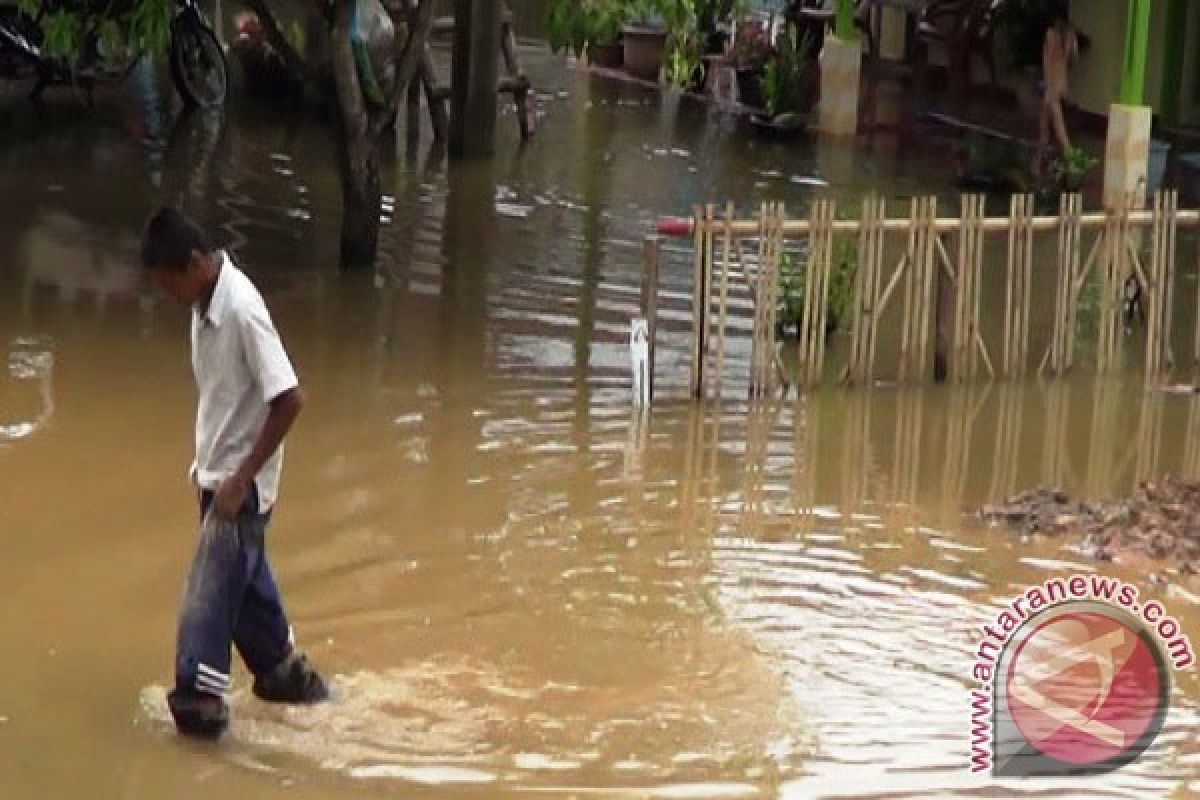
(230, 496)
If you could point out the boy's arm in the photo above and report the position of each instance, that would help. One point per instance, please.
(280, 390)
(285, 408)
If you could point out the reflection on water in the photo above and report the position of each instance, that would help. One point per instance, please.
(522, 586)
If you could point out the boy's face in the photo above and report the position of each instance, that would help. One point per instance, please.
(187, 286)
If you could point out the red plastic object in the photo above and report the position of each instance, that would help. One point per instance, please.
(675, 226)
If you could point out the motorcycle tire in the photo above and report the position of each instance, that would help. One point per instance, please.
(194, 47)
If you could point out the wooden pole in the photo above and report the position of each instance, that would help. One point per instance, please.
(473, 88)
(650, 264)
(520, 84)
(434, 98)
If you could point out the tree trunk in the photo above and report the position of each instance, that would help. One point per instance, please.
(361, 205)
(361, 200)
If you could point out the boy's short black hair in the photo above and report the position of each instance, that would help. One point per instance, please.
(169, 240)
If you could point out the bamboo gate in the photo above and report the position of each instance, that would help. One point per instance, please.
(936, 283)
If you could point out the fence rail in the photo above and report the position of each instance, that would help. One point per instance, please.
(936, 280)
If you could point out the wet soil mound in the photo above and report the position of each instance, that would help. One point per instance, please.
(1160, 520)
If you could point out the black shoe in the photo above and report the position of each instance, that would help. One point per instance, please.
(198, 714)
(295, 680)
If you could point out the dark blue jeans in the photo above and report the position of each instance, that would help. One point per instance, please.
(231, 598)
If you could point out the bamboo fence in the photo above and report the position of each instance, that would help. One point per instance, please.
(928, 272)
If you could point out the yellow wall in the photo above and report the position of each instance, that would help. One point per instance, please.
(1096, 79)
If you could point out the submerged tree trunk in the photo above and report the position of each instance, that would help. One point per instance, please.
(361, 204)
(359, 151)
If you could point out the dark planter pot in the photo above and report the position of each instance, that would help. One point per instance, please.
(749, 87)
(608, 56)
(644, 48)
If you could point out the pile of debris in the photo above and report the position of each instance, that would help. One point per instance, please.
(1161, 520)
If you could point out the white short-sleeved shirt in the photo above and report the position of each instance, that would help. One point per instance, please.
(240, 366)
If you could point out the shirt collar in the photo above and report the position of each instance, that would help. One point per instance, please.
(219, 302)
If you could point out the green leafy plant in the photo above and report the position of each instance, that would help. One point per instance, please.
(1070, 169)
(652, 13)
(788, 81)
(573, 25)
(789, 314)
(104, 33)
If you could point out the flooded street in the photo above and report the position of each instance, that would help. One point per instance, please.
(520, 587)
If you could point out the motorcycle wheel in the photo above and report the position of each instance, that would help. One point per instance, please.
(198, 65)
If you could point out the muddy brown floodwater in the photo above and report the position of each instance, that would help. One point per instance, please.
(521, 588)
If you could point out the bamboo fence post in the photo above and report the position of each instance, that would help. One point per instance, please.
(723, 299)
(928, 265)
(759, 287)
(1151, 291)
(1026, 285)
(710, 230)
(650, 266)
(1158, 292)
(699, 313)
(965, 361)
(918, 286)
(1010, 271)
(824, 266)
(1069, 242)
(876, 284)
(866, 290)
(1169, 276)
(910, 265)
(816, 294)
(779, 219)
(1016, 312)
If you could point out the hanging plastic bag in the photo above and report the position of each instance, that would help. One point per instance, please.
(373, 40)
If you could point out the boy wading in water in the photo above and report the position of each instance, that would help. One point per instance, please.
(248, 399)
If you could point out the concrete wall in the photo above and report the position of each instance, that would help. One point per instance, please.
(1096, 79)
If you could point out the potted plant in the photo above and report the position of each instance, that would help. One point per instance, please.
(790, 80)
(751, 51)
(644, 37)
(593, 26)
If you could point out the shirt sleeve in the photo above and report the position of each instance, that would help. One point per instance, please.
(264, 351)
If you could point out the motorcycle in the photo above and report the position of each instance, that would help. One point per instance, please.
(197, 60)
